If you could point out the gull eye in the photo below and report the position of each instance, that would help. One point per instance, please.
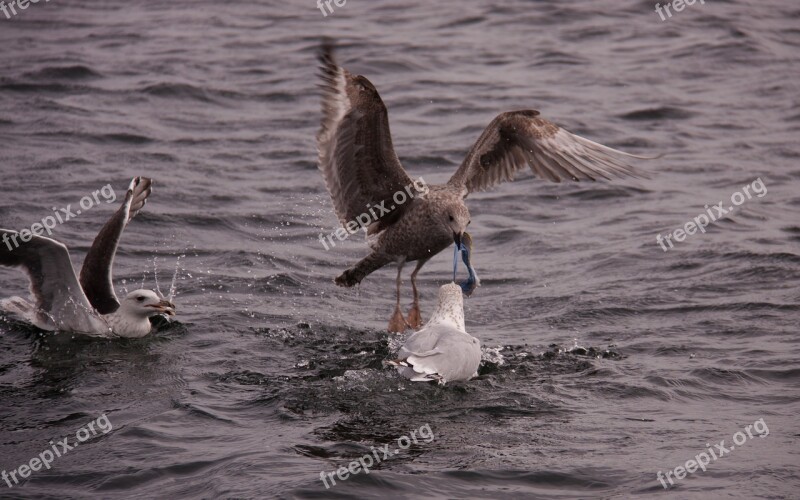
(140, 299)
(451, 218)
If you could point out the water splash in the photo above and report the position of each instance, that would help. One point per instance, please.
(172, 292)
(493, 355)
(172, 287)
(155, 277)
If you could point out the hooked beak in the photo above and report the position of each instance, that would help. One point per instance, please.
(457, 240)
(164, 307)
(466, 241)
(472, 281)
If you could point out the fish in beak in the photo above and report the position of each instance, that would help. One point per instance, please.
(164, 307)
(464, 247)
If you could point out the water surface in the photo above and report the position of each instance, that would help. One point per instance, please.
(272, 374)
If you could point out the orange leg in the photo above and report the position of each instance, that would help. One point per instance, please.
(397, 324)
(414, 316)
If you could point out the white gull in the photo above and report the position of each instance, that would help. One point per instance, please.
(442, 350)
(87, 306)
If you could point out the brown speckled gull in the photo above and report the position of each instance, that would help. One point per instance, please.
(361, 169)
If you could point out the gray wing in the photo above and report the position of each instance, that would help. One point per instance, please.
(96, 273)
(441, 350)
(53, 284)
(356, 155)
(423, 342)
(517, 139)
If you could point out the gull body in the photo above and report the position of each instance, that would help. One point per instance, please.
(89, 305)
(442, 350)
(361, 169)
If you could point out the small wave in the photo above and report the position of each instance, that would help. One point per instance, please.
(548, 58)
(76, 72)
(464, 21)
(661, 113)
(124, 138)
(17, 86)
(177, 91)
(794, 232)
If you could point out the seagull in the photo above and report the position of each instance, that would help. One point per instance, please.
(361, 171)
(87, 306)
(442, 350)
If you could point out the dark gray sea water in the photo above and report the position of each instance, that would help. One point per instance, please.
(272, 375)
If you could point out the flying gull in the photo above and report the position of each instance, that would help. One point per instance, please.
(361, 170)
(87, 306)
(442, 350)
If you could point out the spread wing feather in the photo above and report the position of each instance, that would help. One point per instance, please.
(519, 139)
(356, 155)
(96, 273)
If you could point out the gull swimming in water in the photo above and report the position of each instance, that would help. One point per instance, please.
(442, 350)
(361, 170)
(88, 306)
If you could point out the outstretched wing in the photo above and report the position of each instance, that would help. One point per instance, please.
(60, 301)
(356, 155)
(517, 139)
(96, 275)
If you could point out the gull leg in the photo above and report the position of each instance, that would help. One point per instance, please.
(398, 323)
(414, 317)
(365, 266)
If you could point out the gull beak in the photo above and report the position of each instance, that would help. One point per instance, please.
(466, 241)
(164, 307)
(472, 281)
(457, 240)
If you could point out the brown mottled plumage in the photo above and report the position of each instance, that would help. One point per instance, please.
(360, 169)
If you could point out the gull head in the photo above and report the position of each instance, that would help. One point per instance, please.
(450, 214)
(451, 295)
(146, 303)
(457, 221)
(450, 308)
